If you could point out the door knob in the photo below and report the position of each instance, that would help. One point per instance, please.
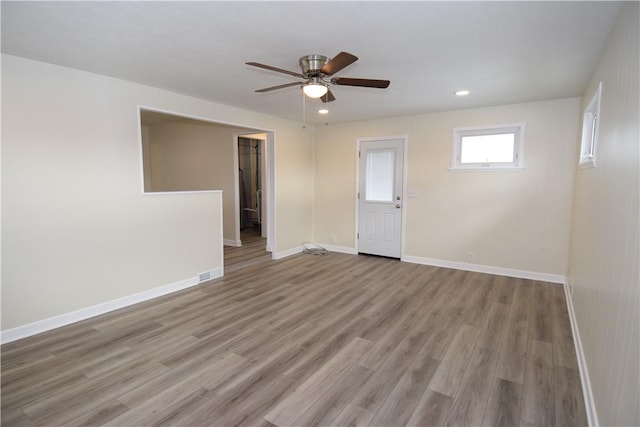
(398, 206)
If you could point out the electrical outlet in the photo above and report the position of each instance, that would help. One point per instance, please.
(471, 256)
(333, 238)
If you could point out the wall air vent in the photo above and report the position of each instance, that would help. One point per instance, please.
(203, 277)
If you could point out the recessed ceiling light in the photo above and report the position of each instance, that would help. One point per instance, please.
(323, 111)
(462, 93)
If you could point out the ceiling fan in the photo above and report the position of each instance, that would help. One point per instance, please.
(316, 74)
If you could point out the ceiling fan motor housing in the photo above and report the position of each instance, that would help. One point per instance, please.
(311, 64)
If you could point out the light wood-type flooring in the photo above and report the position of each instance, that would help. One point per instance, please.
(333, 340)
(253, 250)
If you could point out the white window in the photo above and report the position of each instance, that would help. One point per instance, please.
(490, 147)
(590, 125)
(380, 175)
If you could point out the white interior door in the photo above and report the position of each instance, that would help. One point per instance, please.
(380, 197)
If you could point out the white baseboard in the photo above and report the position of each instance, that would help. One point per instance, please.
(499, 271)
(288, 252)
(587, 391)
(341, 249)
(229, 242)
(98, 309)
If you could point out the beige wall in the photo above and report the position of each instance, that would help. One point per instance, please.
(76, 229)
(195, 155)
(603, 268)
(511, 220)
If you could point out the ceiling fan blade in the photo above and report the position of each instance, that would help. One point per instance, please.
(328, 97)
(336, 64)
(347, 81)
(269, 89)
(279, 70)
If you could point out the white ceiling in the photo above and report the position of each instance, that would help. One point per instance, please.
(504, 52)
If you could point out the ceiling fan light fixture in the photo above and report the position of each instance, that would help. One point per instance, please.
(315, 90)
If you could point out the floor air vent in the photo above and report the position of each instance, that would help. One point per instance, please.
(203, 277)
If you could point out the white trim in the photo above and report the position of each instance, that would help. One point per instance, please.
(179, 193)
(269, 191)
(587, 391)
(95, 310)
(340, 249)
(288, 252)
(266, 191)
(488, 269)
(229, 242)
(487, 169)
(236, 187)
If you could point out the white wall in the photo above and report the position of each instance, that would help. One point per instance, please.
(510, 220)
(603, 268)
(76, 229)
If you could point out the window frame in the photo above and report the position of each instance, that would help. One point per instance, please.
(590, 131)
(518, 129)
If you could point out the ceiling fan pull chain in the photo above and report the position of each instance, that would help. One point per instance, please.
(304, 111)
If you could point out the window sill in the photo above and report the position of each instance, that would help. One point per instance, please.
(587, 164)
(488, 169)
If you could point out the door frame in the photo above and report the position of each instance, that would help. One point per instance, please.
(405, 149)
(268, 186)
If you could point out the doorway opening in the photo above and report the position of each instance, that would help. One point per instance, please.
(184, 153)
(252, 209)
(250, 179)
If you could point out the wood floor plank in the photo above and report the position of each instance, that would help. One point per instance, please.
(335, 399)
(403, 399)
(470, 403)
(522, 299)
(256, 405)
(539, 316)
(353, 416)
(513, 352)
(503, 290)
(382, 382)
(308, 340)
(319, 353)
(414, 315)
(445, 324)
(264, 423)
(503, 407)
(538, 400)
(34, 392)
(448, 377)
(432, 410)
(15, 418)
(101, 414)
(294, 405)
(569, 404)
(249, 390)
(163, 407)
(69, 404)
(564, 353)
(492, 331)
